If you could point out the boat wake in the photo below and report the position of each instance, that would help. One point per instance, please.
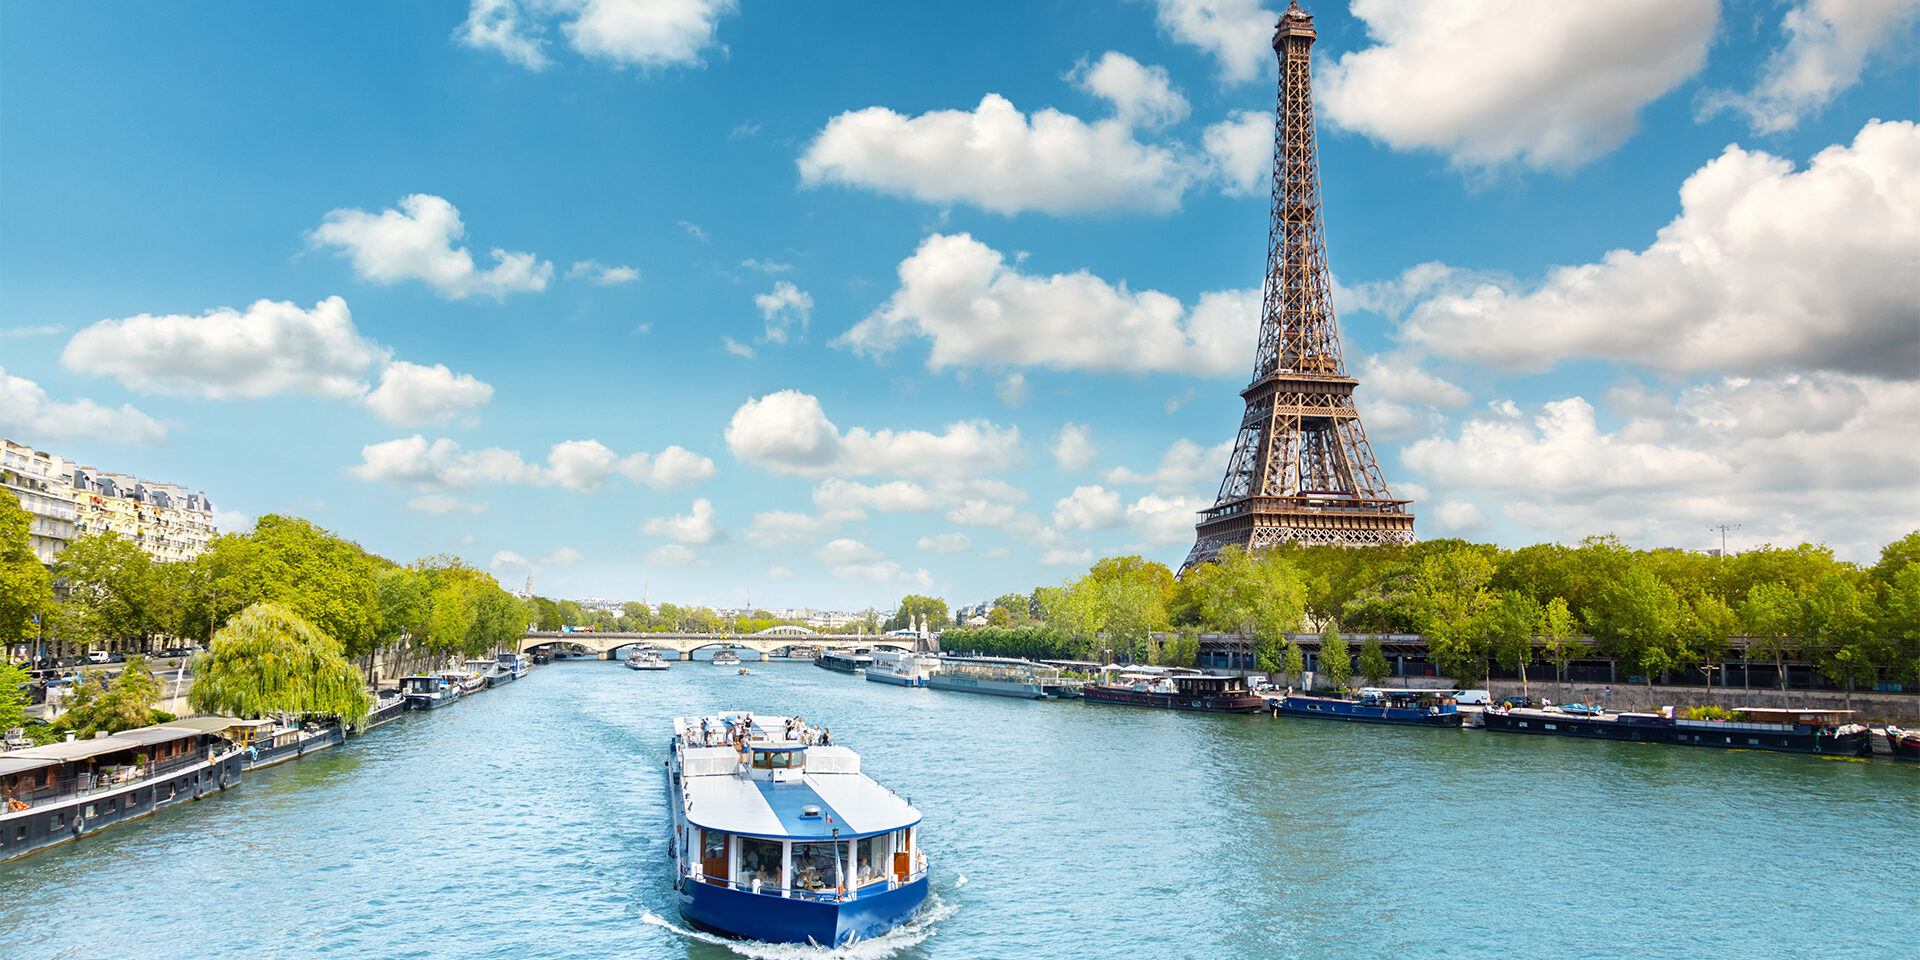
(879, 948)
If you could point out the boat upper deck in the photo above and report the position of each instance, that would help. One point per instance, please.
(742, 774)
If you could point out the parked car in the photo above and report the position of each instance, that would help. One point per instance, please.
(116, 657)
(1516, 701)
(97, 656)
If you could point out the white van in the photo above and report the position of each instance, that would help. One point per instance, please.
(97, 656)
(1470, 698)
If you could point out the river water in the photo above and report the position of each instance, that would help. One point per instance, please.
(530, 823)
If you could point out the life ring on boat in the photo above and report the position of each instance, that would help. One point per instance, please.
(15, 806)
(226, 778)
(79, 827)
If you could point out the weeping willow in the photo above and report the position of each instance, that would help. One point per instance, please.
(267, 660)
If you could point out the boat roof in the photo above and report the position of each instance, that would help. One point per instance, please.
(1784, 715)
(70, 750)
(17, 763)
(851, 804)
(206, 724)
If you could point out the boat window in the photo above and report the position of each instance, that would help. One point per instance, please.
(815, 867)
(866, 859)
(759, 860)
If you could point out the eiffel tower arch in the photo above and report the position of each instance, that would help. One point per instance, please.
(1302, 469)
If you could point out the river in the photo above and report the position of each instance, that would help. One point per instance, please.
(529, 823)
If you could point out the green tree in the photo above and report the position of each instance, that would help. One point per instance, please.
(1258, 595)
(1336, 662)
(1635, 619)
(114, 593)
(1559, 635)
(913, 607)
(1451, 589)
(1509, 621)
(1771, 615)
(26, 589)
(126, 704)
(267, 660)
(1373, 662)
(1293, 664)
(14, 696)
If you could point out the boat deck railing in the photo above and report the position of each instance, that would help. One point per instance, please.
(825, 895)
(79, 786)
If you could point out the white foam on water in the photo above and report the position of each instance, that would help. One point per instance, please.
(879, 948)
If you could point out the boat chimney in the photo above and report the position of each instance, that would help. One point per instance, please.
(69, 736)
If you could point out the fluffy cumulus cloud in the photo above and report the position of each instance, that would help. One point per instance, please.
(441, 504)
(976, 310)
(1183, 465)
(1163, 521)
(1089, 508)
(1073, 447)
(788, 432)
(999, 159)
(786, 309)
(1765, 269)
(1828, 44)
(697, 525)
(1241, 148)
(672, 555)
(270, 348)
(26, 414)
(1490, 82)
(1141, 96)
(1817, 457)
(623, 33)
(580, 465)
(779, 528)
(416, 242)
(595, 272)
(895, 496)
(411, 395)
(946, 543)
(511, 559)
(1234, 32)
(846, 550)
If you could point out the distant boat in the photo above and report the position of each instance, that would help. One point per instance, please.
(1829, 732)
(842, 662)
(646, 660)
(902, 669)
(264, 743)
(491, 672)
(726, 658)
(997, 676)
(514, 663)
(428, 691)
(1410, 708)
(1175, 691)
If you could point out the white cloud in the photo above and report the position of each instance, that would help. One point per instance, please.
(415, 242)
(1073, 447)
(507, 558)
(776, 528)
(1545, 85)
(737, 348)
(787, 432)
(1457, 516)
(1814, 458)
(885, 571)
(766, 266)
(1089, 508)
(1828, 45)
(997, 158)
(25, 412)
(779, 573)
(593, 271)
(946, 543)
(896, 496)
(1012, 389)
(1161, 521)
(1242, 150)
(693, 230)
(1393, 377)
(441, 504)
(411, 395)
(696, 526)
(996, 553)
(1234, 32)
(785, 308)
(580, 465)
(41, 330)
(1764, 269)
(496, 25)
(1184, 464)
(272, 348)
(1063, 557)
(962, 296)
(1142, 96)
(672, 555)
(846, 550)
(624, 33)
(562, 556)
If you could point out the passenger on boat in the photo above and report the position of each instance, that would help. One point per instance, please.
(826, 737)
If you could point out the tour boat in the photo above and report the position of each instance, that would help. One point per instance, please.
(998, 676)
(65, 791)
(1412, 708)
(646, 660)
(428, 691)
(1830, 732)
(726, 658)
(777, 841)
(902, 669)
(1175, 691)
(514, 663)
(843, 662)
(1905, 743)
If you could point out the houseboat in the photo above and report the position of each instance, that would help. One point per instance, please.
(492, 673)
(1175, 691)
(781, 842)
(1828, 732)
(64, 791)
(726, 658)
(264, 743)
(998, 676)
(468, 681)
(842, 662)
(902, 669)
(646, 660)
(1904, 743)
(386, 709)
(514, 663)
(1410, 708)
(428, 691)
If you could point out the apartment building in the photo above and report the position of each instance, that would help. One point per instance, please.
(69, 500)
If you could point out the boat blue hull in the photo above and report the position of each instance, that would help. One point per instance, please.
(753, 916)
(1316, 708)
(896, 681)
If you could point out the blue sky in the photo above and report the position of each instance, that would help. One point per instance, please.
(829, 303)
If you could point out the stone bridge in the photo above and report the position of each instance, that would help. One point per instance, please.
(765, 642)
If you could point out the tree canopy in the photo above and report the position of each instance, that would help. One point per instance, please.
(268, 660)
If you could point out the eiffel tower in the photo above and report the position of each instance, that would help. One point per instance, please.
(1302, 469)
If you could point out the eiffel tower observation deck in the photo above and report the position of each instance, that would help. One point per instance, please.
(1302, 469)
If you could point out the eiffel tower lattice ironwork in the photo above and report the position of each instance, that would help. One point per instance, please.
(1302, 469)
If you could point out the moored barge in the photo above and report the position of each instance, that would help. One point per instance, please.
(263, 743)
(1409, 708)
(64, 791)
(1167, 691)
(843, 662)
(1826, 732)
(428, 691)
(1904, 743)
(902, 669)
(777, 841)
(995, 676)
